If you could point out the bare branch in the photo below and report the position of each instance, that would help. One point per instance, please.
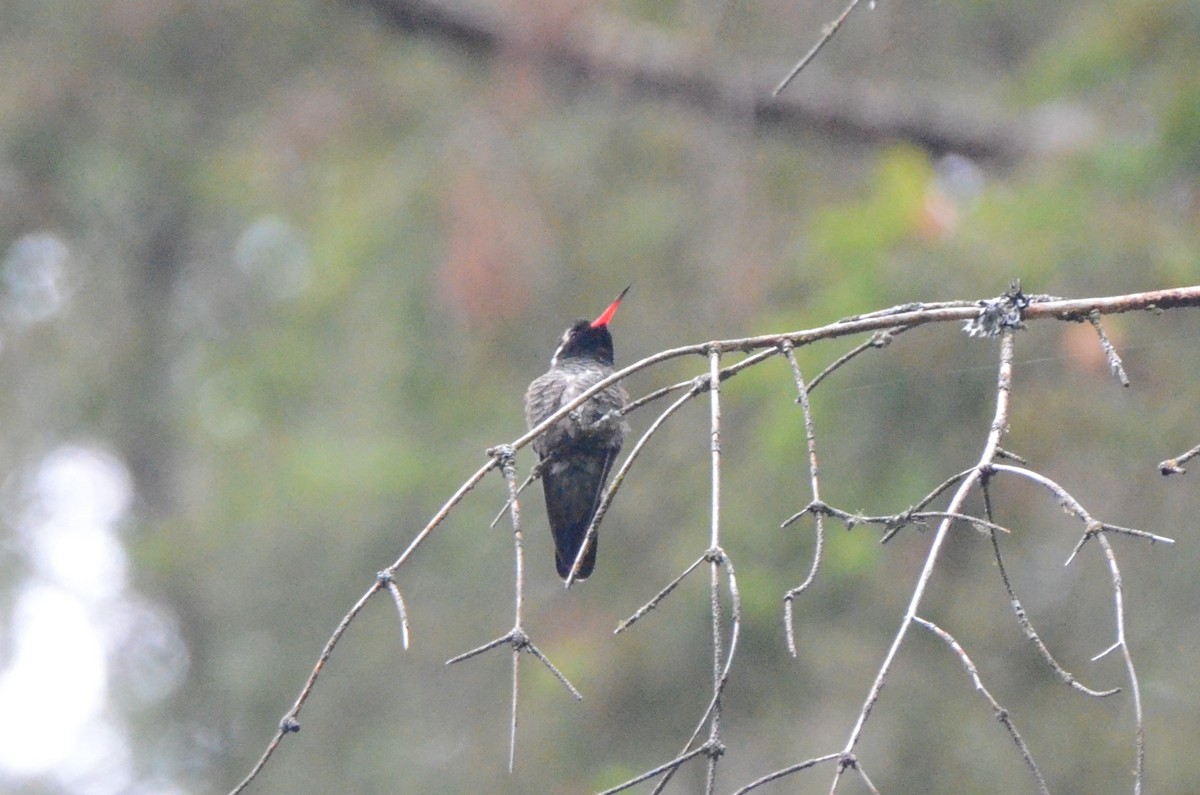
(1001, 713)
(716, 557)
(394, 590)
(999, 423)
(810, 435)
(1134, 687)
(1027, 625)
(1072, 506)
(1174, 466)
(653, 603)
(1110, 353)
(827, 33)
(880, 339)
(787, 771)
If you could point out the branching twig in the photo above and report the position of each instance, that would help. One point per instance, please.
(1072, 506)
(996, 431)
(534, 473)
(722, 657)
(1139, 740)
(1027, 625)
(516, 637)
(814, 483)
(735, 599)
(1001, 713)
(716, 557)
(787, 771)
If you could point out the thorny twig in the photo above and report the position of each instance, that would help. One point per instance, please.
(1023, 618)
(995, 432)
(1001, 713)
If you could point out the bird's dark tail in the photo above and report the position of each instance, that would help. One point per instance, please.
(573, 485)
(565, 553)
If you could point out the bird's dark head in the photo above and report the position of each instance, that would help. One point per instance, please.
(589, 340)
(584, 341)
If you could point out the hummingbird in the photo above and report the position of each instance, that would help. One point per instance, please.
(576, 453)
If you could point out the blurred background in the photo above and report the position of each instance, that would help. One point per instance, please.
(274, 275)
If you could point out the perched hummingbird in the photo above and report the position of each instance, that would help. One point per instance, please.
(578, 451)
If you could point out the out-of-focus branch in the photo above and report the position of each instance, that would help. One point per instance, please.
(604, 49)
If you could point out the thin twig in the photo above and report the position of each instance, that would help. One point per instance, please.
(817, 507)
(509, 468)
(444, 511)
(852, 762)
(1026, 624)
(714, 732)
(394, 589)
(520, 640)
(534, 474)
(516, 637)
(289, 723)
(722, 658)
(1110, 352)
(1134, 687)
(1072, 506)
(1174, 466)
(1001, 713)
(735, 599)
(718, 559)
(507, 637)
(787, 771)
(726, 373)
(653, 603)
(996, 431)
(815, 485)
(826, 34)
(666, 767)
(880, 339)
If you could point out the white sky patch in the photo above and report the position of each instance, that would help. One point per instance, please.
(54, 685)
(68, 618)
(77, 498)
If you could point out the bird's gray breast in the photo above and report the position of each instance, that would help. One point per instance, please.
(583, 426)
